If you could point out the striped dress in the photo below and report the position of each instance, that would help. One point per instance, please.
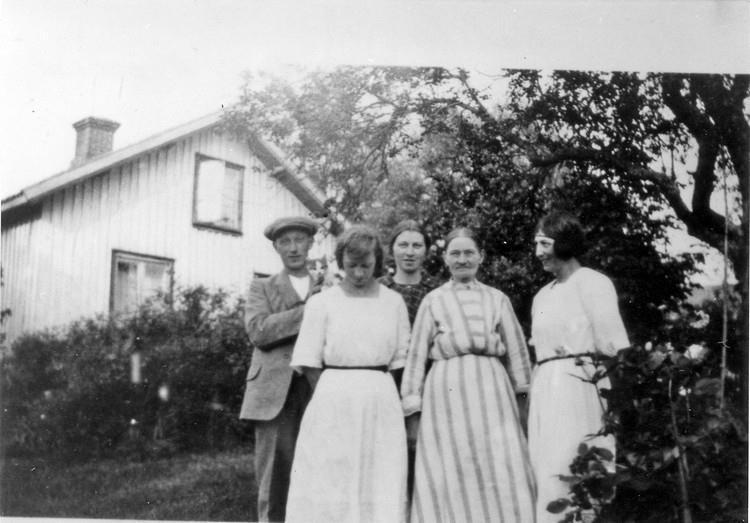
(472, 459)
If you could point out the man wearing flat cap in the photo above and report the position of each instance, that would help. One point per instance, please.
(276, 397)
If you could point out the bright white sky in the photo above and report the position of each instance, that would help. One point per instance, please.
(155, 64)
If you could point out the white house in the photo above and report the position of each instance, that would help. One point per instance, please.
(184, 207)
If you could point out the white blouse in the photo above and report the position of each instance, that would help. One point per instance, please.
(576, 316)
(342, 330)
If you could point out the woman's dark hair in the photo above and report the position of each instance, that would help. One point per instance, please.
(358, 241)
(566, 230)
(462, 232)
(408, 225)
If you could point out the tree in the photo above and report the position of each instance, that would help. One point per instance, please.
(346, 129)
(630, 130)
(364, 133)
(434, 144)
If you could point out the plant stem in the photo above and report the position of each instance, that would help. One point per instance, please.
(725, 297)
(682, 465)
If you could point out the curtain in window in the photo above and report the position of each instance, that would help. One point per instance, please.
(209, 191)
(126, 286)
(231, 198)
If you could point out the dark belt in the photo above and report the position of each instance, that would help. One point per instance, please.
(591, 355)
(381, 368)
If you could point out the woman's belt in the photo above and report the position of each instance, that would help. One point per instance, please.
(381, 368)
(594, 356)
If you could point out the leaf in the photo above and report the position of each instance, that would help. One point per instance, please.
(655, 359)
(641, 484)
(558, 505)
(582, 449)
(707, 387)
(633, 458)
(605, 454)
(680, 360)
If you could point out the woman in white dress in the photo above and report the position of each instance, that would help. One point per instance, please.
(472, 460)
(574, 317)
(350, 460)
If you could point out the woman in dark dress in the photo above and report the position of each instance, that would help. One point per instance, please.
(409, 245)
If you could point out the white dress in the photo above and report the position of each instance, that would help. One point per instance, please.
(579, 315)
(350, 459)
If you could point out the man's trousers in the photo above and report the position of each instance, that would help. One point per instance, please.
(274, 451)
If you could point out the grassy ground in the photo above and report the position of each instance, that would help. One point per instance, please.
(207, 487)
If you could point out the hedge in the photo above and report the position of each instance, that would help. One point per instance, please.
(69, 391)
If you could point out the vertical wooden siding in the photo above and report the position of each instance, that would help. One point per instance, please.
(57, 268)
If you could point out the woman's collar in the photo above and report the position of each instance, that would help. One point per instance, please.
(473, 284)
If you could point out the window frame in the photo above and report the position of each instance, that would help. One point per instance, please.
(118, 255)
(199, 224)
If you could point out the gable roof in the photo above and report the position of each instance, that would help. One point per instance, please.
(270, 155)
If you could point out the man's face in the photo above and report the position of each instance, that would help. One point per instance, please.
(293, 246)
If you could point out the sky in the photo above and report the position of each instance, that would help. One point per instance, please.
(155, 64)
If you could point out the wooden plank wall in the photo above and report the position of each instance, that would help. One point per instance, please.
(57, 268)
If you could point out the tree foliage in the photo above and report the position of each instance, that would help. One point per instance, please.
(630, 130)
(343, 129)
(439, 145)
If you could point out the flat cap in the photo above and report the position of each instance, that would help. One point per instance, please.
(290, 222)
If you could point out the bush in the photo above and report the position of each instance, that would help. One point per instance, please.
(70, 391)
(681, 444)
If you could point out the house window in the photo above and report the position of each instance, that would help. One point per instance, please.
(136, 277)
(218, 194)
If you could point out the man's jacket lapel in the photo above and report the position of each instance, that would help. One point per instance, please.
(288, 295)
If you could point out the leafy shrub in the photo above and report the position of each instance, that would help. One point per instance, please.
(70, 391)
(681, 440)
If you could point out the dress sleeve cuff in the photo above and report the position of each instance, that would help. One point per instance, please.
(411, 404)
(397, 364)
(298, 364)
(522, 389)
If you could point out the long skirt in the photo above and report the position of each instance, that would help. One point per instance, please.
(564, 411)
(472, 459)
(350, 460)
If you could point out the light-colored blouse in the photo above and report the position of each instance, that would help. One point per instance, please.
(576, 316)
(347, 331)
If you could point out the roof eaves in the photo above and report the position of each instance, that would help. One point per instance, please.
(269, 153)
(299, 184)
(58, 181)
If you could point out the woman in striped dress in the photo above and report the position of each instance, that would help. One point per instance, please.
(472, 459)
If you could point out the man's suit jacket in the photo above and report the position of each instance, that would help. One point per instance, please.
(273, 314)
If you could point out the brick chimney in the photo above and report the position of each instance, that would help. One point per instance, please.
(93, 138)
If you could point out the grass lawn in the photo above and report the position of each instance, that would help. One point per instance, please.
(207, 487)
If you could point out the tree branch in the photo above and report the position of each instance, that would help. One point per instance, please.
(703, 130)
(725, 106)
(707, 227)
(479, 112)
